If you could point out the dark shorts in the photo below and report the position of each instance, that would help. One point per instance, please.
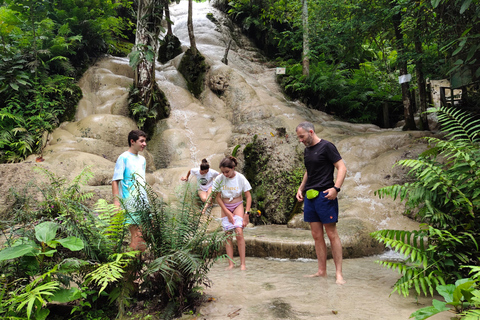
(320, 209)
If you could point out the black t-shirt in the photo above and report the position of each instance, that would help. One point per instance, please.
(319, 160)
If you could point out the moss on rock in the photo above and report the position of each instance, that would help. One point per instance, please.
(274, 180)
(146, 117)
(170, 47)
(193, 68)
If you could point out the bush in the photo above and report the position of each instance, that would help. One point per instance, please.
(444, 194)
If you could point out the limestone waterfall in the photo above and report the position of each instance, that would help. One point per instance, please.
(241, 99)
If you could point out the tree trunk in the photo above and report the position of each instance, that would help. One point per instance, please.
(422, 92)
(167, 17)
(406, 99)
(306, 48)
(191, 35)
(146, 40)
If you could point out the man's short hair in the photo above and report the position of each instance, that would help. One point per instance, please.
(135, 135)
(307, 126)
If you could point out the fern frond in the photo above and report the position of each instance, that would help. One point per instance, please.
(408, 243)
(459, 124)
(111, 272)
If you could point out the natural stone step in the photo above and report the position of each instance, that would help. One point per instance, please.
(279, 241)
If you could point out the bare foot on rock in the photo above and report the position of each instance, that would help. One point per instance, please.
(243, 267)
(340, 280)
(318, 274)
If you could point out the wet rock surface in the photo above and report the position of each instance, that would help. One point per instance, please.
(277, 289)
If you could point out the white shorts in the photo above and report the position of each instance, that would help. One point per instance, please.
(227, 226)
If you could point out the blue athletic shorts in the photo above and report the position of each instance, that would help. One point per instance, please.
(320, 209)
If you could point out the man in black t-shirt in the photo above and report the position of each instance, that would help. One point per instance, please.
(321, 204)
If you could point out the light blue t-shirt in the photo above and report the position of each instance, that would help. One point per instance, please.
(128, 169)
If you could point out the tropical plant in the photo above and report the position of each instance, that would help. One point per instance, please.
(463, 296)
(181, 249)
(45, 47)
(66, 202)
(443, 193)
(32, 298)
(95, 235)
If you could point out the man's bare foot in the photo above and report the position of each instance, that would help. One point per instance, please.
(340, 280)
(230, 267)
(318, 274)
(243, 267)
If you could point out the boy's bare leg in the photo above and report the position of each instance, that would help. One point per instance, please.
(137, 242)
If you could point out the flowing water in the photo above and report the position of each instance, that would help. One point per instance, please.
(210, 127)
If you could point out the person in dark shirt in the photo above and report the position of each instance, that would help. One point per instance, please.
(320, 194)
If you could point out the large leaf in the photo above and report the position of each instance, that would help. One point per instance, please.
(66, 295)
(17, 251)
(465, 6)
(46, 231)
(446, 291)
(435, 3)
(427, 312)
(71, 265)
(72, 243)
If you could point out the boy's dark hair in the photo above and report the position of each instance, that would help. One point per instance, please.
(135, 135)
(204, 165)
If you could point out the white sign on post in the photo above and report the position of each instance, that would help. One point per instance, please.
(281, 70)
(405, 78)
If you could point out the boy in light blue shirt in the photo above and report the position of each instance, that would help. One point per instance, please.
(128, 175)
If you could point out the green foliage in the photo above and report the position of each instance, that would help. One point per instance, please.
(111, 222)
(362, 45)
(45, 47)
(175, 267)
(463, 296)
(58, 247)
(419, 270)
(146, 114)
(182, 250)
(443, 193)
(32, 298)
(355, 95)
(111, 272)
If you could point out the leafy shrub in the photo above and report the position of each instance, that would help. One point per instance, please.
(445, 194)
(463, 296)
(181, 250)
(357, 95)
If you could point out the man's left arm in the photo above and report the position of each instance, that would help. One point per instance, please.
(341, 174)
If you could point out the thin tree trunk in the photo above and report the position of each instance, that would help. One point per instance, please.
(142, 40)
(406, 99)
(422, 92)
(191, 35)
(167, 17)
(306, 47)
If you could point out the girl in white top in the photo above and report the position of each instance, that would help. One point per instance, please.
(205, 177)
(229, 187)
